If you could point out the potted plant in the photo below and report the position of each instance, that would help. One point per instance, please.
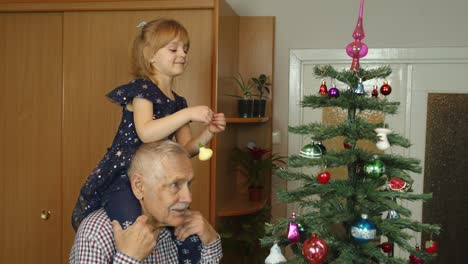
(241, 236)
(245, 101)
(254, 163)
(262, 84)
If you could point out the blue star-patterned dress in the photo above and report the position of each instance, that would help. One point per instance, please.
(108, 185)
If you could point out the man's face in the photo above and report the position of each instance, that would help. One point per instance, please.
(167, 198)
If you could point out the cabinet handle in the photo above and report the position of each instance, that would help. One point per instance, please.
(45, 215)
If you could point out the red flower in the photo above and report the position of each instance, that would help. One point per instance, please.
(257, 153)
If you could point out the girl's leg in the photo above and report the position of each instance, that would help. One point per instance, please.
(122, 205)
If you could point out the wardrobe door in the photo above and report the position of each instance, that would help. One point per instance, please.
(30, 137)
(96, 60)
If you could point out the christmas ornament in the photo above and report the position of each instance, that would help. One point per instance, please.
(346, 146)
(375, 93)
(397, 184)
(359, 88)
(323, 177)
(385, 89)
(431, 246)
(392, 214)
(275, 256)
(357, 49)
(311, 151)
(415, 259)
(204, 153)
(302, 232)
(387, 247)
(322, 147)
(382, 133)
(315, 250)
(323, 88)
(293, 230)
(363, 230)
(374, 168)
(333, 92)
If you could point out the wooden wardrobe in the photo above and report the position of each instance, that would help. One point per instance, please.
(58, 60)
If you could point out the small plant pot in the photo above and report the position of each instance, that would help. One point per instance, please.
(255, 194)
(259, 106)
(245, 107)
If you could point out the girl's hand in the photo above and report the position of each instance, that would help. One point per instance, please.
(201, 114)
(218, 123)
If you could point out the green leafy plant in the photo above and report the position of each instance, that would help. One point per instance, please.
(262, 85)
(241, 235)
(245, 87)
(254, 162)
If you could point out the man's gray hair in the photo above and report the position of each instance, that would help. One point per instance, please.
(149, 157)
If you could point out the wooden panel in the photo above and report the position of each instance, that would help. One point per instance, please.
(228, 59)
(228, 42)
(94, 5)
(96, 48)
(30, 153)
(240, 120)
(256, 48)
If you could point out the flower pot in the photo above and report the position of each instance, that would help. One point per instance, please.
(259, 106)
(255, 194)
(245, 107)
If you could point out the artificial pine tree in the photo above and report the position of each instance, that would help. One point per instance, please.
(345, 223)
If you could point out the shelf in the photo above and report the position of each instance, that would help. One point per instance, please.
(240, 205)
(240, 120)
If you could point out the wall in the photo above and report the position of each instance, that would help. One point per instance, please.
(330, 23)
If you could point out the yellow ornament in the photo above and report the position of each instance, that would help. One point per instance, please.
(204, 153)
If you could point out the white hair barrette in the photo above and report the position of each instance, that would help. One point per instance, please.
(142, 24)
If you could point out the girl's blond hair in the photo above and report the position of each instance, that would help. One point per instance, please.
(153, 36)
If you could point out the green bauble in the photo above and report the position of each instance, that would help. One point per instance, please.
(311, 151)
(374, 168)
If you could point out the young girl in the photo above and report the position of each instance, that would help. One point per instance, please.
(151, 112)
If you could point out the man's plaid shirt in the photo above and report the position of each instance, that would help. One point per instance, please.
(94, 243)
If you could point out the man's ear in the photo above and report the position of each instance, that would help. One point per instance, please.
(136, 181)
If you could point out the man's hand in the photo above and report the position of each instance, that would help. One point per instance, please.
(137, 241)
(195, 223)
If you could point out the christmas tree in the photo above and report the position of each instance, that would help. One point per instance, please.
(343, 217)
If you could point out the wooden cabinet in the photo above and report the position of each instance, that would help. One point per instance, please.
(30, 129)
(246, 46)
(59, 59)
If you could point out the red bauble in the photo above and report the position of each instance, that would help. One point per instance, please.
(375, 93)
(315, 250)
(323, 88)
(387, 247)
(397, 184)
(431, 246)
(346, 146)
(323, 177)
(385, 89)
(414, 259)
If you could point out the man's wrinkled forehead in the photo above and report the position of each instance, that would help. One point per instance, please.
(171, 168)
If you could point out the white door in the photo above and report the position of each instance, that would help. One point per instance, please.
(416, 73)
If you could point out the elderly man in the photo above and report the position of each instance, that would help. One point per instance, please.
(167, 231)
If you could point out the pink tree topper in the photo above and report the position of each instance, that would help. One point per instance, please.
(357, 49)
